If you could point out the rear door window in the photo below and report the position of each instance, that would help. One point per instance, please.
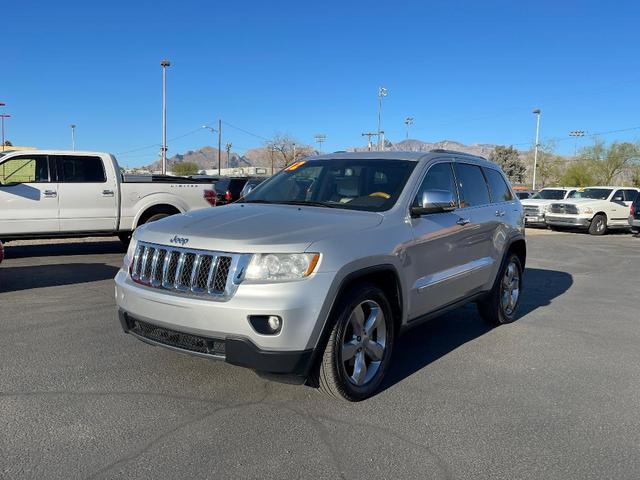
(472, 185)
(500, 191)
(81, 169)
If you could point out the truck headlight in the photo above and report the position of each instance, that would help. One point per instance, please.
(281, 266)
(586, 210)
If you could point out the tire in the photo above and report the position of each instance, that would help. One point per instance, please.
(339, 377)
(501, 304)
(598, 225)
(156, 217)
(125, 238)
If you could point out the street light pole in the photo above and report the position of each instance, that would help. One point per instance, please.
(3, 116)
(382, 92)
(164, 64)
(537, 112)
(219, 144)
(408, 122)
(213, 130)
(576, 134)
(73, 137)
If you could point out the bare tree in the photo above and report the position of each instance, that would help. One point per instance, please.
(287, 150)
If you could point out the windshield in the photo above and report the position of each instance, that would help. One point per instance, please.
(550, 195)
(594, 193)
(371, 185)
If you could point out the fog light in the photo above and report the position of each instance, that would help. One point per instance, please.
(274, 323)
(266, 324)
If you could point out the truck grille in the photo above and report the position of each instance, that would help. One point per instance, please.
(531, 210)
(203, 273)
(563, 208)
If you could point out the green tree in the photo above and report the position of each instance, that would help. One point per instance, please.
(509, 160)
(579, 174)
(7, 143)
(609, 162)
(185, 168)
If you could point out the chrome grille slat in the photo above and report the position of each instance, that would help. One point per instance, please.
(188, 272)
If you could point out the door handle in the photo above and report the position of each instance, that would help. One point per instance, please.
(463, 221)
(50, 193)
(500, 213)
(107, 193)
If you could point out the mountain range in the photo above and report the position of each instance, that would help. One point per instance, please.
(207, 157)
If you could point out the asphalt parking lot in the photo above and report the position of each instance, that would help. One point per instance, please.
(555, 395)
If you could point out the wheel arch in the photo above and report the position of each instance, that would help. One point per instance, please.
(155, 209)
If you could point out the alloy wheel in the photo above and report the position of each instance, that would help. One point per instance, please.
(510, 288)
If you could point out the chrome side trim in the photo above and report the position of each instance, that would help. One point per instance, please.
(454, 273)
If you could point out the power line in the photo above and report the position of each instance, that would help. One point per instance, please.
(247, 132)
(155, 145)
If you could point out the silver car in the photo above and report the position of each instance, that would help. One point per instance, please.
(316, 272)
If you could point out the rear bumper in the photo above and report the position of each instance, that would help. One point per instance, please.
(234, 350)
(567, 220)
(634, 222)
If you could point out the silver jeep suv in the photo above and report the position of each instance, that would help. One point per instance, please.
(316, 272)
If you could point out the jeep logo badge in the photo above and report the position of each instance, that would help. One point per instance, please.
(179, 240)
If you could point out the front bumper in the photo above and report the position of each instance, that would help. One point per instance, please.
(564, 220)
(299, 305)
(535, 220)
(234, 350)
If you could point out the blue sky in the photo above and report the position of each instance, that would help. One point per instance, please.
(467, 71)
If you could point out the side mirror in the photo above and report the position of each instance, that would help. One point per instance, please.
(434, 201)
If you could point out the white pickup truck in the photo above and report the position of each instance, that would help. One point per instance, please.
(46, 194)
(535, 207)
(595, 209)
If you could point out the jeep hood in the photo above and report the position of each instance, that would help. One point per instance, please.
(254, 228)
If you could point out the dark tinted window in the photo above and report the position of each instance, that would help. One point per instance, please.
(439, 177)
(499, 189)
(24, 169)
(77, 169)
(618, 196)
(630, 195)
(471, 185)
(235, 186)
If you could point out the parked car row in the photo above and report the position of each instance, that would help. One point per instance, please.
(595, 209)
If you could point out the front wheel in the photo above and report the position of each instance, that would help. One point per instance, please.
(358, 352)
(500, 306)
(598, 225)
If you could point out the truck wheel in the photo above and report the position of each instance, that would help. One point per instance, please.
(358, 352)
(499, 307)
(157, 216)
(125, 238)
(598, 225)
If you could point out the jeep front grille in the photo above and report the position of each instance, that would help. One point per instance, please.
(213, 275)
(563, 208)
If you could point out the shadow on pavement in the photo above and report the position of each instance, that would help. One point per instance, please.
(13, 279)
(426, 343)
(63, 249)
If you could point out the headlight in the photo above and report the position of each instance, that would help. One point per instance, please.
(281, 266)
(587, 210)
(131, 250)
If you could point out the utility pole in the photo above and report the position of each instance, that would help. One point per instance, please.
(228, 149)
(3, 116)
(73, 136)
(536, 112)
(369, 135)
(219, 144)
(408, 122)
(382, 92)
(273, 149)
(320, 138)
(576, 134)
(164, 64)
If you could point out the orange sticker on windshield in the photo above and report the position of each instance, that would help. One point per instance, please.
(293, 166)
